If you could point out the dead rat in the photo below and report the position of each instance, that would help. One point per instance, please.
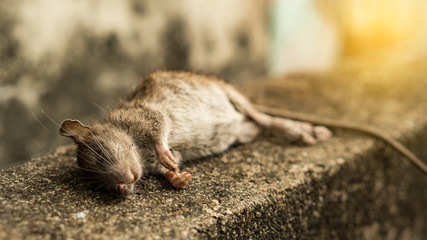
(172, 117)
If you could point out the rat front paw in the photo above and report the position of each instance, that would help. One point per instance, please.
(166, 158)
(178, 180)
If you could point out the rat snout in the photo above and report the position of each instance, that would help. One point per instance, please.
(123, 188)
(127, 186)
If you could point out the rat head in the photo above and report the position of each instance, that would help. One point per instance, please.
(106, 154)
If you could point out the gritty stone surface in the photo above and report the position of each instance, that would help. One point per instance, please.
(349, 187)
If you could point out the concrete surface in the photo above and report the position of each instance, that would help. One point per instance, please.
(350, 187)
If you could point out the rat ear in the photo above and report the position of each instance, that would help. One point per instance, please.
(74, 129)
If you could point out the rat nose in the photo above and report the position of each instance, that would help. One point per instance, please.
(122, 188)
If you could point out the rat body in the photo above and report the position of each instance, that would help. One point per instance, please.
(167, 119)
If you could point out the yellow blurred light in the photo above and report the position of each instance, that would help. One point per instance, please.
(371, 24)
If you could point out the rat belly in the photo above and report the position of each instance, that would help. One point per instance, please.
(210, 133)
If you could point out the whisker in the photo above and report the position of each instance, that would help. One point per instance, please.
(38, 120)
(99, 155)
(98, 106)
(92, 150)
(86, 178)
(81, 178)
(91, 169)
(103, 164)
(100, 186)
(93, 182)
(109, 159)
(50, 118)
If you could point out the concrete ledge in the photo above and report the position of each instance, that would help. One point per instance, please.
(350, 187)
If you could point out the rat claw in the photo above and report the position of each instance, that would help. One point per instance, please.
(166, 158)
(168, 162)
(178, 180)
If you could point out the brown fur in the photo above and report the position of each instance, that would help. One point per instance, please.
(192, 114)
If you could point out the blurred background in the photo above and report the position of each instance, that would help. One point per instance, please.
(75, 58)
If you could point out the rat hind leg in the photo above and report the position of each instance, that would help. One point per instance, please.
(293, 131)
(282, 128)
